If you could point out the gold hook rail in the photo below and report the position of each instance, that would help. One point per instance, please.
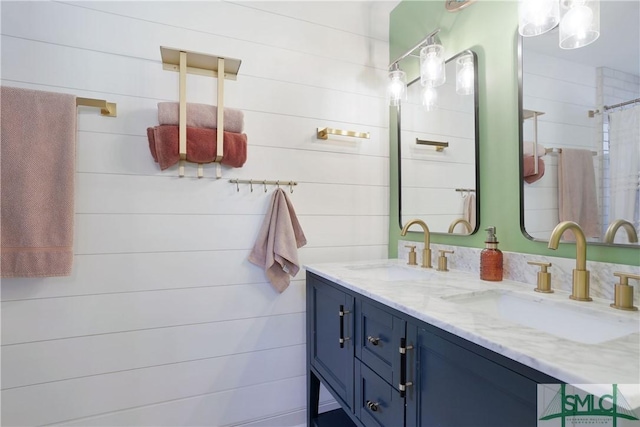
(470, 190)
(106, 108)
(323, 133)
(440, 146)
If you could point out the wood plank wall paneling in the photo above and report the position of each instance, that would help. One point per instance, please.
(164, 321)
(564, 91)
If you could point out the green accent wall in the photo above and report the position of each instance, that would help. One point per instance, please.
(490, 29)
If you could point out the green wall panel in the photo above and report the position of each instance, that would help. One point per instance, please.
(490, 29)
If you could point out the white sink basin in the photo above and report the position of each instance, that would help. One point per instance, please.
(390, 272)
(578, 324)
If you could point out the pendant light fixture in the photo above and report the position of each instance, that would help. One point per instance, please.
(432, 72)
(397, 88)
(465, 75)
(536, 17)
(580, 23)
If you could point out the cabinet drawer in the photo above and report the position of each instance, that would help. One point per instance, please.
(377, 403)
(378, 335)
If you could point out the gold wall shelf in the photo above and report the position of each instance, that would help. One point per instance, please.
(109, 109)
(323, 133)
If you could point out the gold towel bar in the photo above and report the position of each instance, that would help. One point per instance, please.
(440, 146)
(559, 150)
(106, 108)
(322, 133)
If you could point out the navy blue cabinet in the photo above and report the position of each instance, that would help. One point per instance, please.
(387, 369)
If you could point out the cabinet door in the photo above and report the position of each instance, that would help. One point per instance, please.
(378, 337)
(377, 403)
(458, 388)
(330, 316)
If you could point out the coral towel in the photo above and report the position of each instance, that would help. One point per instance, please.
(202, 145)
(276, 248)
(201, 116)
(528, 169)
(37, 180)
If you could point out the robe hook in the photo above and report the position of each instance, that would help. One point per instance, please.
(237, 186)
(278, 184)
(291, 187)
(265, 185)
(251, 184)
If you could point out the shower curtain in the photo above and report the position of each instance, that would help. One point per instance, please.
(624, 155)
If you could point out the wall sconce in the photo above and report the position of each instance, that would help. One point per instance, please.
(536, 17)
(580, 23)
(432, 64)
(397, 89)
(465, 75)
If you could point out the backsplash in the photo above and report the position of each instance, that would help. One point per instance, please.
(516, 268)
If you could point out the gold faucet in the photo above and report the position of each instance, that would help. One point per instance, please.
(426, 252)
(613, 228)
(462, 221)
(580, 289)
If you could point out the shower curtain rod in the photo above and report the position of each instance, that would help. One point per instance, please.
(611, 107)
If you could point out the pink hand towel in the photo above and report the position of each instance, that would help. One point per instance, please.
(201, 116)
(37, 179)
(164, 144)
(528, 170)
(276, 248)
(577, 191)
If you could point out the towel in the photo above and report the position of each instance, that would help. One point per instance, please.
(528, 171)
(276, 248)
(164, 143)
(200, 116)
(469, 209)
(577, 190)
(37, 182)
(527, 149)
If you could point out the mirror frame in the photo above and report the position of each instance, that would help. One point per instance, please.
(476, 128)
(520, 58)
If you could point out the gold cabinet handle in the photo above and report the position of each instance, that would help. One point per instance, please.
(372, 340)
(373, 405)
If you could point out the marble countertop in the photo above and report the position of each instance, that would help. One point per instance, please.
(430, 296)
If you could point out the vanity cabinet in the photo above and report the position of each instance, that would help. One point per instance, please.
(394, 370)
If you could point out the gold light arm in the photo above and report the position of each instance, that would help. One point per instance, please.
(108, 109)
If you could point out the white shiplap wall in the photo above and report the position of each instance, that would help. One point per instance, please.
(163, 321)
(564, 91)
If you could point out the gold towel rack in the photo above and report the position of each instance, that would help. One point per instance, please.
(323, 133)
(106, 108)
(440, 146)
(559, 150)
(262, 182)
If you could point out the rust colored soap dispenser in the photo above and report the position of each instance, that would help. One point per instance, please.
(491, 258)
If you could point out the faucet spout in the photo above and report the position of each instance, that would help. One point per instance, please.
(580, 290)
(426, 252)
(462, 221)
(610, 234)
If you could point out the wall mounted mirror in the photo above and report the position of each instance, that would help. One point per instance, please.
(578, 165)
(438, 151)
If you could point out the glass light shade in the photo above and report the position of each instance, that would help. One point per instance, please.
(465, 78)
(397, 89)
(432, 71)
(580, 23)
(429, 98)
(536, 17)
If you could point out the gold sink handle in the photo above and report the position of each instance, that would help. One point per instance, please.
(623, 292)
(412, 255)
(544, 277)
(442, 260)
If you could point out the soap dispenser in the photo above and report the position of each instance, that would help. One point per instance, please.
(491, 258)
